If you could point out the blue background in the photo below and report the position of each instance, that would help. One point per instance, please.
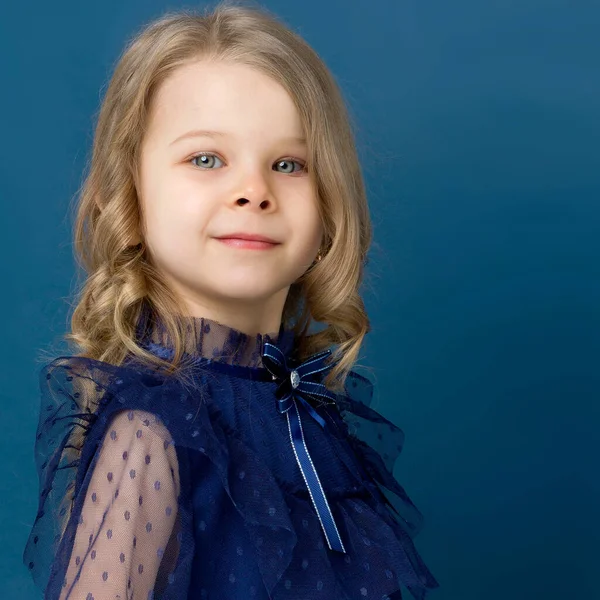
(478, 127)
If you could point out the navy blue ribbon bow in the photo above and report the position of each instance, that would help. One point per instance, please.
(294, 385)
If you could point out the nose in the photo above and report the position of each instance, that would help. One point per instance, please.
(255, 191)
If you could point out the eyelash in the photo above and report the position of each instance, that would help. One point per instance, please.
(302, 170)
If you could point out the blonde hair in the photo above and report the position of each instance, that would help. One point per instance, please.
(121, 280)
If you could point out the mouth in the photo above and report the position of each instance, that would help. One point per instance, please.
(241, 235)
(250, 241)
(248, 244)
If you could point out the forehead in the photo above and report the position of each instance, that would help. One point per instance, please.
(223, 96)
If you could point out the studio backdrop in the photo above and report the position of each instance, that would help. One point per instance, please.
(478, 128)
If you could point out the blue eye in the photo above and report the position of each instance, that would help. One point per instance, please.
(206, 158)
(207, 162)
(290, 160)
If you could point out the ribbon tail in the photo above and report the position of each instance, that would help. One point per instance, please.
(313, 483)
(313, 413)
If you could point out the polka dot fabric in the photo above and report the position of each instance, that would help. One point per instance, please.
(129, 510)
(152, 487)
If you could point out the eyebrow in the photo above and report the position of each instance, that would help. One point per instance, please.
(220, 134)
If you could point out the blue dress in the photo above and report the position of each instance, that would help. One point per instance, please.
(247, 479)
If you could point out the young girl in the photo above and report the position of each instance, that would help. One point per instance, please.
(202, 443)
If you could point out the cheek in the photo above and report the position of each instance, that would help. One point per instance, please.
(314, 227)
(305, 218)
(175, 221)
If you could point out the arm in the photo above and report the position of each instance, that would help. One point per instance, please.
(128, 513)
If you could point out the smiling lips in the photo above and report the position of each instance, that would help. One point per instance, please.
(248, 241)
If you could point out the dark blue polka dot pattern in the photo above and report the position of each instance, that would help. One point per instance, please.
(153, 487)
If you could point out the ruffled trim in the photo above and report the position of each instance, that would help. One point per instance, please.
(70, 431)
(377, 443)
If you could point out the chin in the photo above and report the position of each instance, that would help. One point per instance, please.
(247, 291)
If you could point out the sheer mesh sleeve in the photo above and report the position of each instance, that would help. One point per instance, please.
(128, 514)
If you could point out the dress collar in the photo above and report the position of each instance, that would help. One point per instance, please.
(210, 339)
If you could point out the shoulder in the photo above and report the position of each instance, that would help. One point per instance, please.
(83, 385)
(139, 424)
(88, 405)
(137, 441)
(139, 428)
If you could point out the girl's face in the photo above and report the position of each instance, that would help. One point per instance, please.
(250, 179)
